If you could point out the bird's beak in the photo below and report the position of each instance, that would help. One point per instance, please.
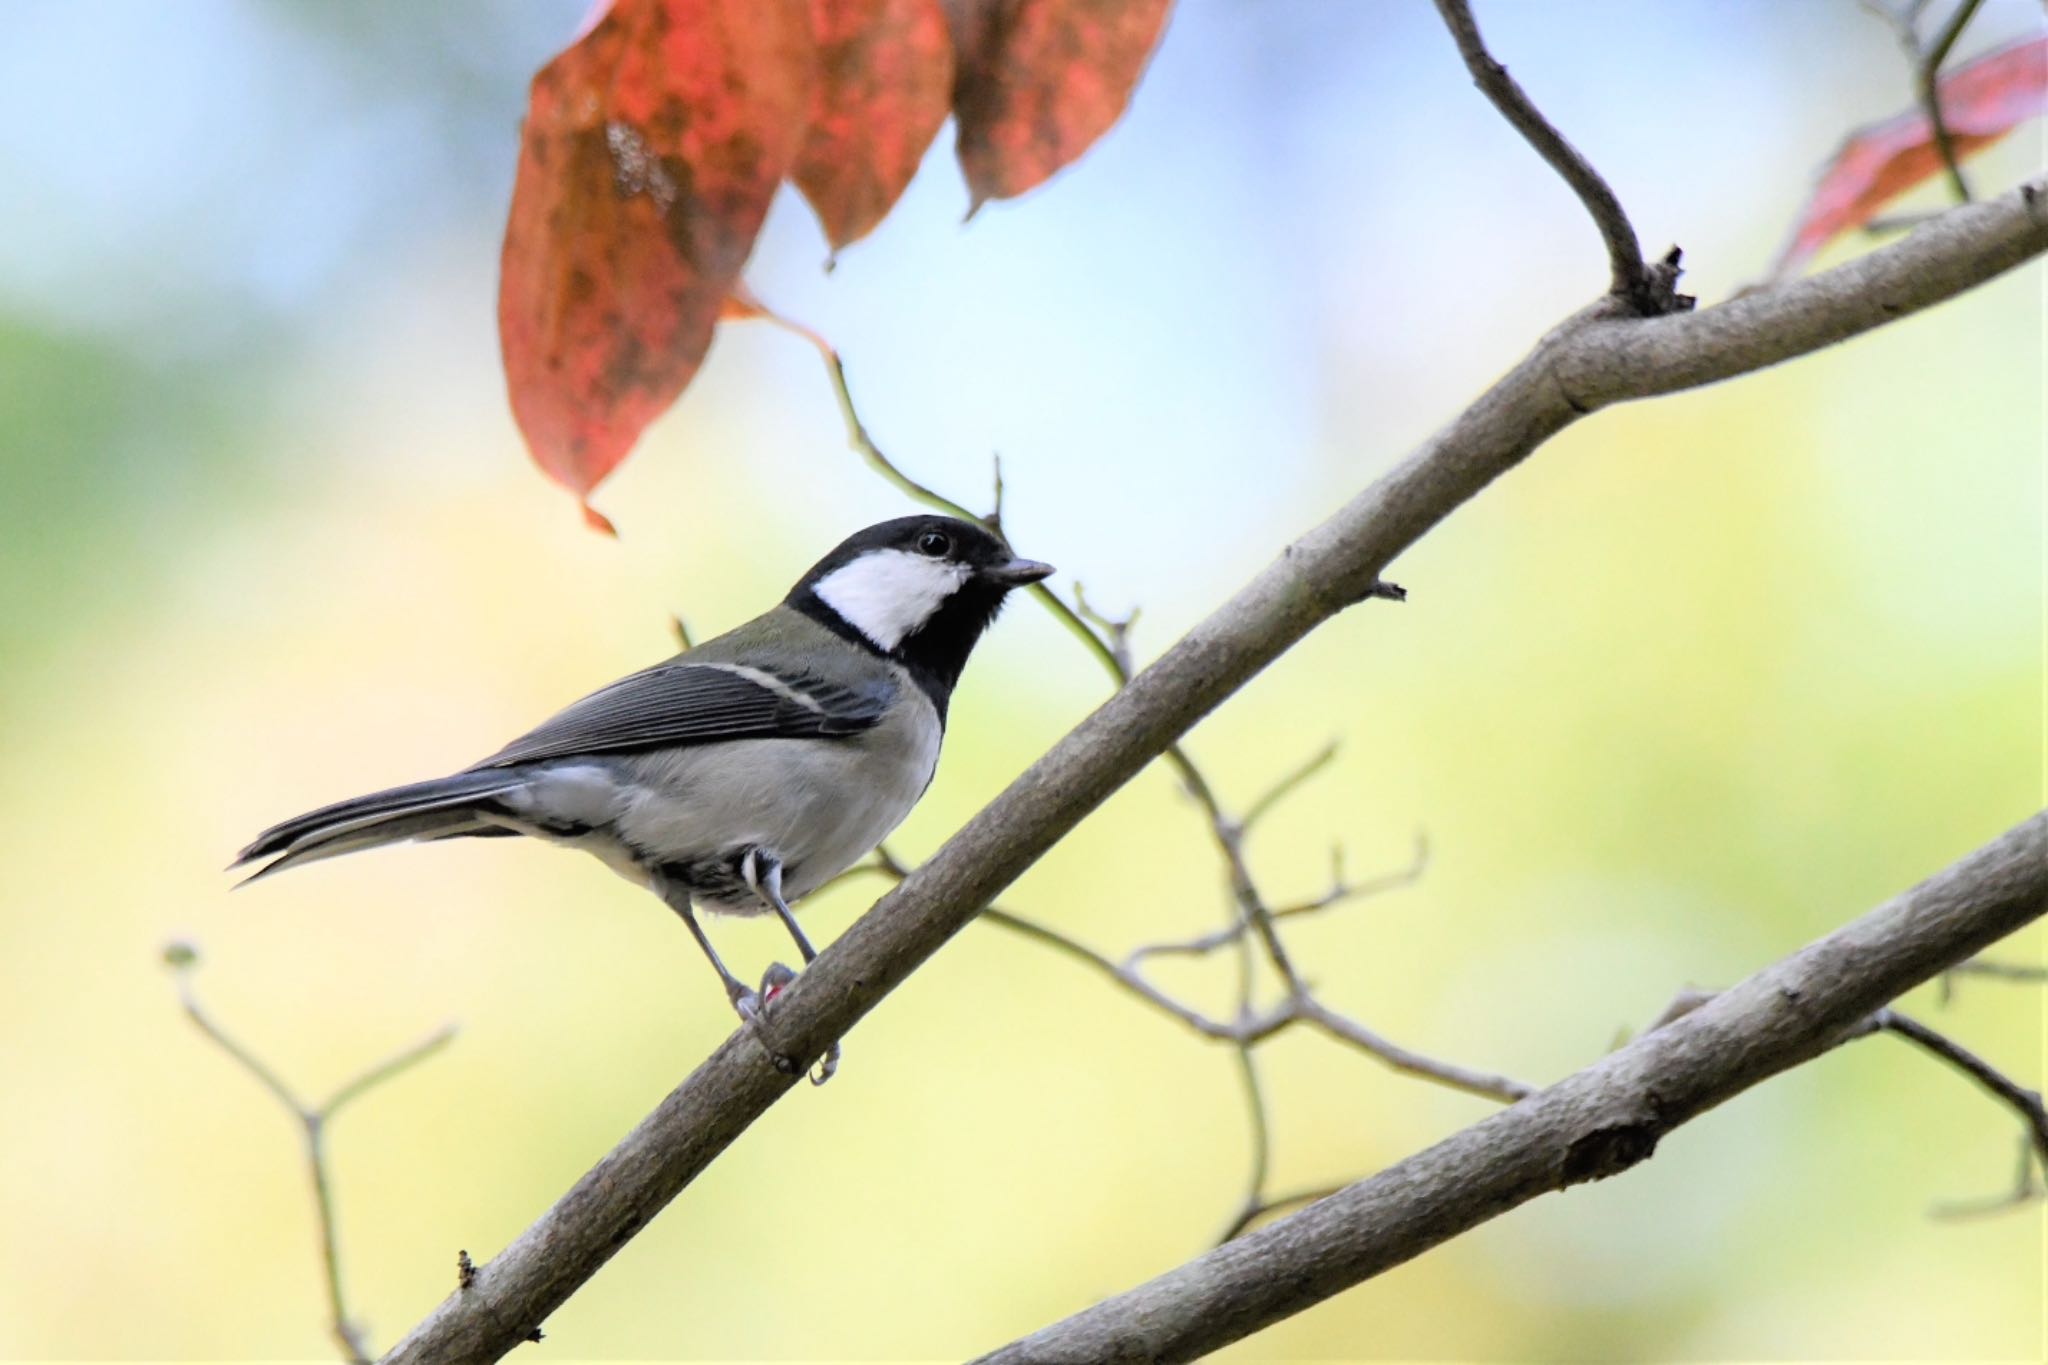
(1017, 572)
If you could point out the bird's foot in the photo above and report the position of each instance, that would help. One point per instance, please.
(774, 982)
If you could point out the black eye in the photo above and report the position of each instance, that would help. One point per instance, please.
(937, 544)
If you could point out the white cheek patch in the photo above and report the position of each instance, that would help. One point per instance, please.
(887, 595)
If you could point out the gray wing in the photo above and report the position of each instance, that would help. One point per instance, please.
(679, 703)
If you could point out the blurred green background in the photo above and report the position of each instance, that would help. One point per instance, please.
(1706, 678)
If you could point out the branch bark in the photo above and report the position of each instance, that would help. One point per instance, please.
(1593, 1124)
(1601, 356)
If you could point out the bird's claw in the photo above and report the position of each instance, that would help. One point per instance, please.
(774, 982)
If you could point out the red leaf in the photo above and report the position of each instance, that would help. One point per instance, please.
(651, 150)
(885, 85)
(1040, 80)
(1980, 102)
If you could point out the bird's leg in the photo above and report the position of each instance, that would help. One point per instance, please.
(767, 884)
(763, 872)
(746, 1003)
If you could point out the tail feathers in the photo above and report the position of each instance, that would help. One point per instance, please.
(441, 808)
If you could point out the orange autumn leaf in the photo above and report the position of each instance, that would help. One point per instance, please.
(1039, 80)
(651, 149)
(654, 144)
(885, 84)
(1981, 102)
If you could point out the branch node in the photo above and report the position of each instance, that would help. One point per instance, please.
(1607, 1152)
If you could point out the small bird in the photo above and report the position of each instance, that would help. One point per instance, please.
(746, 771)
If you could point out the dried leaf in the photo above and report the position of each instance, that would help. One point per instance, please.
(651, 150)
(1980, 102)
(1039, 80)
(885, 84)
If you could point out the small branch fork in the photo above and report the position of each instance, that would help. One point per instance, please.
(1927, 58)
(182, 958)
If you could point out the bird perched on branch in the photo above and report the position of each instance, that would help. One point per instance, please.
(746, 771)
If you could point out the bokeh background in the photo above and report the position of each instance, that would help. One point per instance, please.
(1707, 677)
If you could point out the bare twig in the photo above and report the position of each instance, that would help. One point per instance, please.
(995, 510)
(1926, 59)
(2022, 1101)
(1341, 890)
(1114, 630)
(1977, 966)
(182, 958)
(1929, 82)
(1577, 1129)
(1288, 784)
(2025, 1190)
(1648, 290)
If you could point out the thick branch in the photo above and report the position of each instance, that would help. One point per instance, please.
(1593, 1124)
(1592, 360)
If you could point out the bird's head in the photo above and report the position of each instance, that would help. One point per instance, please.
(918, 589)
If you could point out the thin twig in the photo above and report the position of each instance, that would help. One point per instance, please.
(1978, 966)
(1930, 94)
(2022, 1101)
(1287, 785)
(1115, 630)
(2025, 1190)
(1261, 1142)
(1341, 891)
(1926, 59)
(1246, 1029)
(348, 1334)
(1649, 294)
(390, 1067)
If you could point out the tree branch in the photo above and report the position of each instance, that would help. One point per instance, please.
(1593, 1124)
(1590, 361)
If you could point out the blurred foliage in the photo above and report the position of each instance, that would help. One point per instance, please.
(1707, 677)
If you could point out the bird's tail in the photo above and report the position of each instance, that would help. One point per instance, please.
(437, 809)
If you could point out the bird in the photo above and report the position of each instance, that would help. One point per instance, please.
(744, 772)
